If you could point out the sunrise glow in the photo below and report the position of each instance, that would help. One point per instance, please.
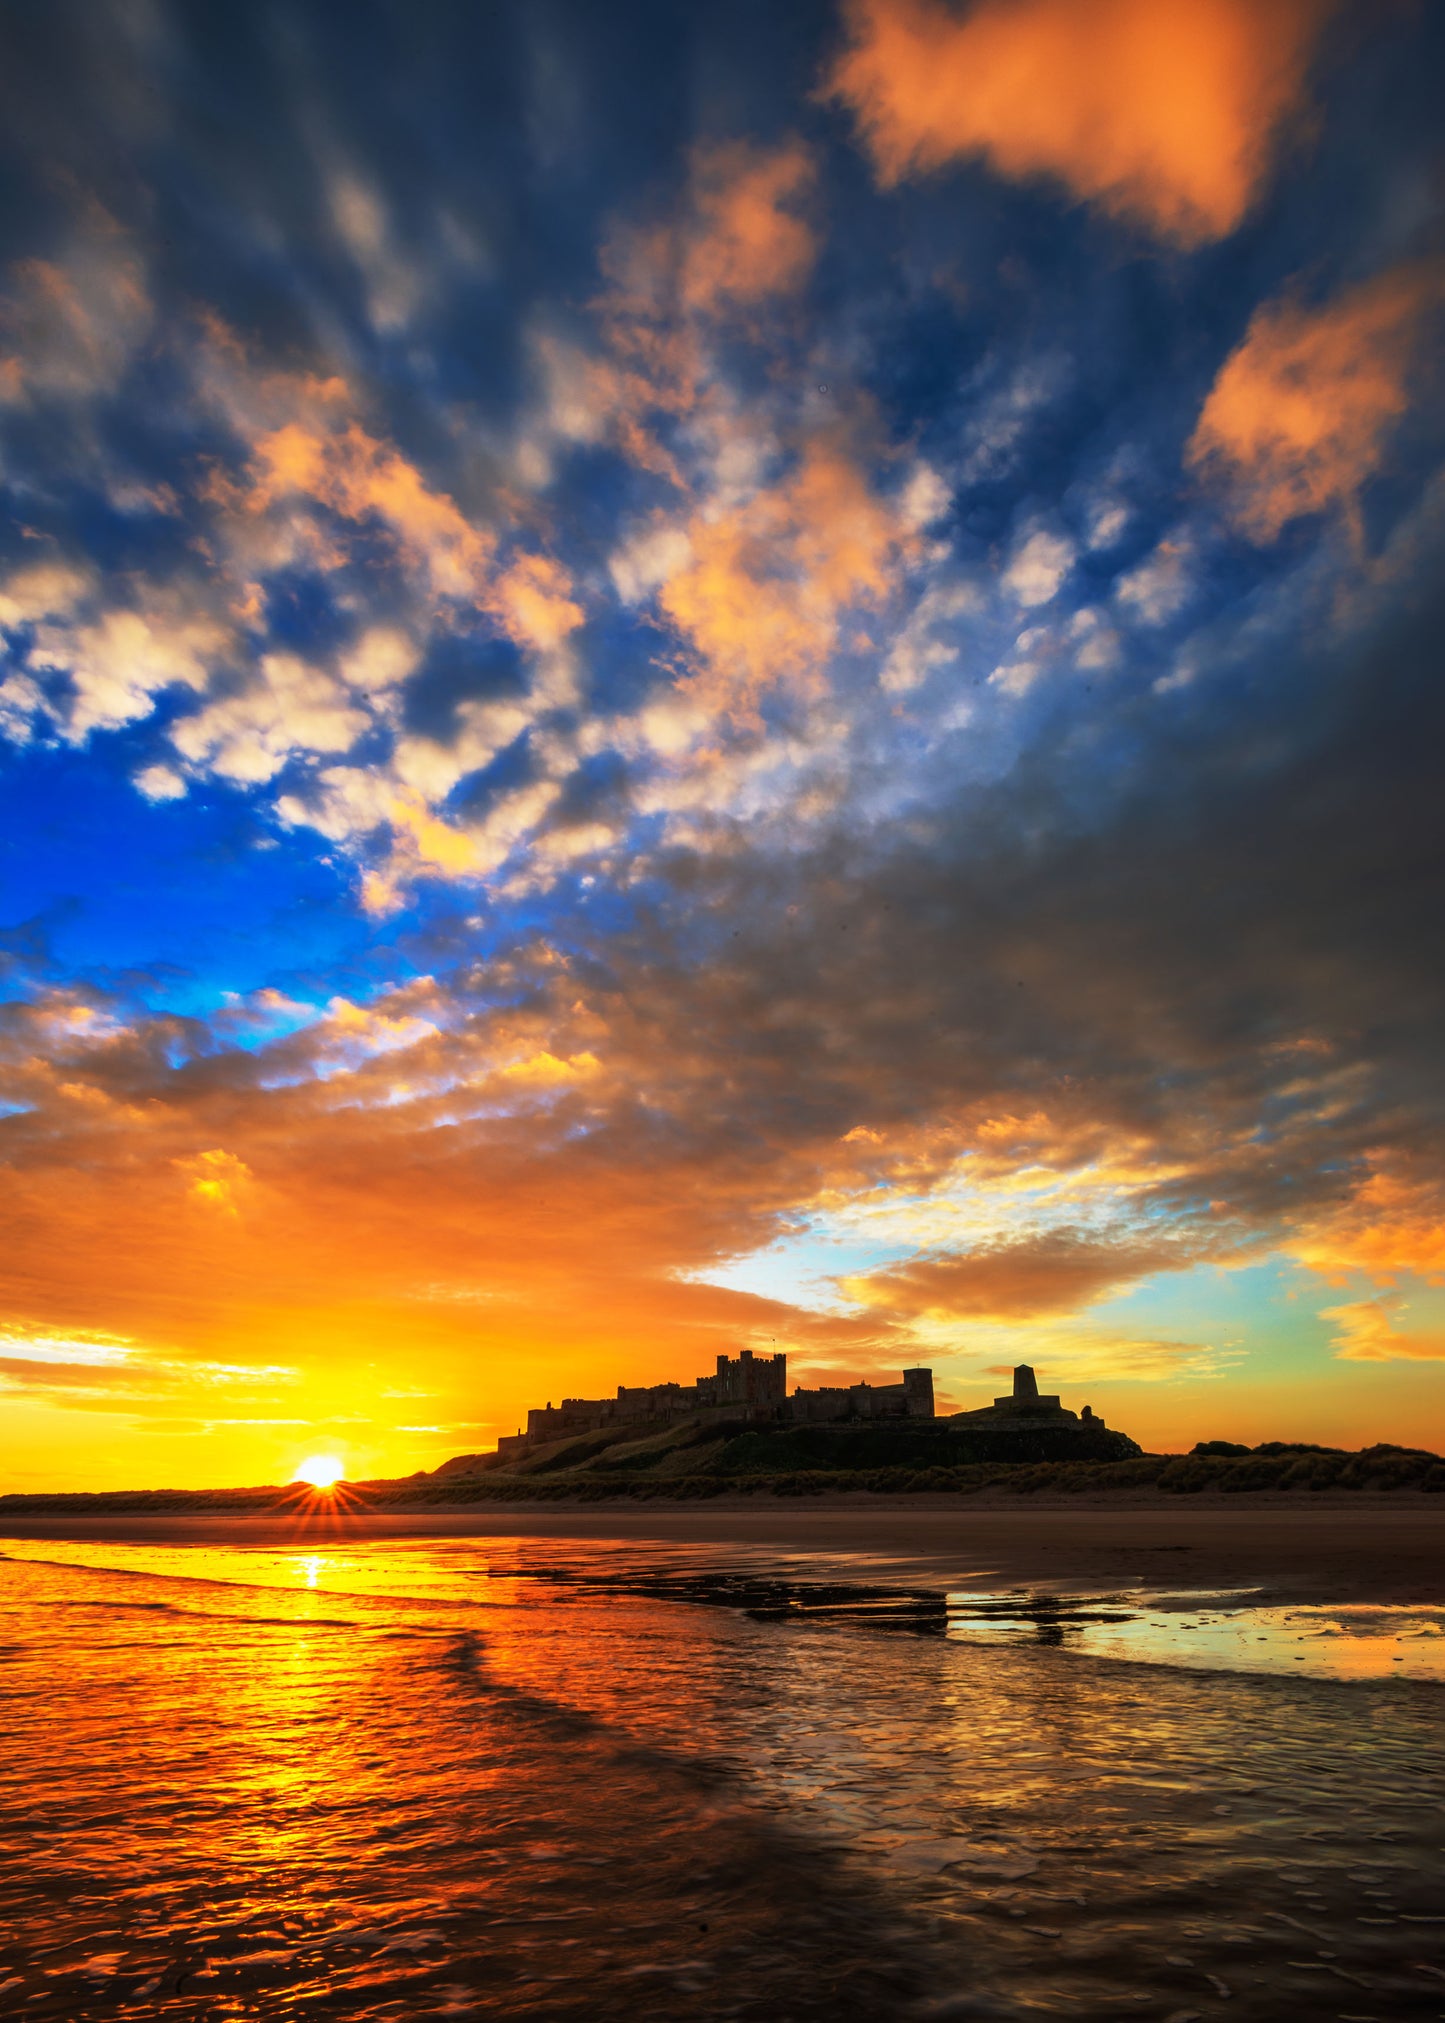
(322, 1471)
(721, 832)
(650, 720)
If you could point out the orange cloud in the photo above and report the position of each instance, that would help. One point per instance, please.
(1161, 114)
(1053, 1273)
(755, 576)
(735, 239)
(1299, 416)
(1392, 1226)
(762, 594)
(748, 242)
(1366, 1333)
(216, 1180)
(401, 1210)
(500, 1200)
(533, 603)
(358, 478)
(734, 245)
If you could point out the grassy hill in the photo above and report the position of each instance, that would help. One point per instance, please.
(695, 1462)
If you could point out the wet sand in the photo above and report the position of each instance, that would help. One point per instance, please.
(412, 1766)
(1382, 1550)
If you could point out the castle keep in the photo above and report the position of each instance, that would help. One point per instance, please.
(743, 1387)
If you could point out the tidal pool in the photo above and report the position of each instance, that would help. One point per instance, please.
(1222, 1630)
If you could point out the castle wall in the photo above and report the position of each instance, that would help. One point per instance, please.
(745, 1386)
(912, 1399)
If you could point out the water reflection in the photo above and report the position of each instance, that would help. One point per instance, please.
(1212, 1630)
(529, 1780)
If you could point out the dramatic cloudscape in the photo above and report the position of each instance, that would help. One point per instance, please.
(685, 677)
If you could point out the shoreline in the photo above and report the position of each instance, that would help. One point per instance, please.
(523, 1512)
(102, 1506)
(1384, 1550)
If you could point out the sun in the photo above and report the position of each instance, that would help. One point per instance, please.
(322, 1471)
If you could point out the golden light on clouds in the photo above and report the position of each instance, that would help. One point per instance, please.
(1299, 417)
(1163, 114)
(749, 241)
(729, 717)
(217, 1180)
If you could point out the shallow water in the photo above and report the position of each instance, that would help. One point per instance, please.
(523, 1778)
(1230, 1630)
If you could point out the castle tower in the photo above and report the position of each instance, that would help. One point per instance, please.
(918, 1390)
(758, 1381)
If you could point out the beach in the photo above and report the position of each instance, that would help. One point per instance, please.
(1387, 1548)
(745, 1762)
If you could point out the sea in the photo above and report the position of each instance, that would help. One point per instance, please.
(551, 1778)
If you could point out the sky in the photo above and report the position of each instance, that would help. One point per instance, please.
(692, 677)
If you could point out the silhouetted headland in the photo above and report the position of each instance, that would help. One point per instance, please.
(738, 1434)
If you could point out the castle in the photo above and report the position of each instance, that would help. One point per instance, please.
(745, 1387)
(1024, 1411)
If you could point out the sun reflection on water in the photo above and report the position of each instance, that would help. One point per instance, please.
(502, 1776)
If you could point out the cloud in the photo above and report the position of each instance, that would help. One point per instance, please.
(747, 241)
(1388, 1223)
(218, 1180)
(762, 593)
(160, 783)
(121, 661)
(360, 478)
(1162, 115)
(1366, 1332)
(289, 707)
(1037, 569)
(1158, 588)
(640, 640)
(307, 449)
(532, 598)
(89, 1351)
(69, 328)
(1055, 1272)
(1300, 415)
(646, 560)
(44, 590)
(930, 639)
(394, 282)
(734, 241)
(313, 496)
(1067, 1357)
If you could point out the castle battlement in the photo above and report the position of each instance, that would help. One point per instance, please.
(746, 1387)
